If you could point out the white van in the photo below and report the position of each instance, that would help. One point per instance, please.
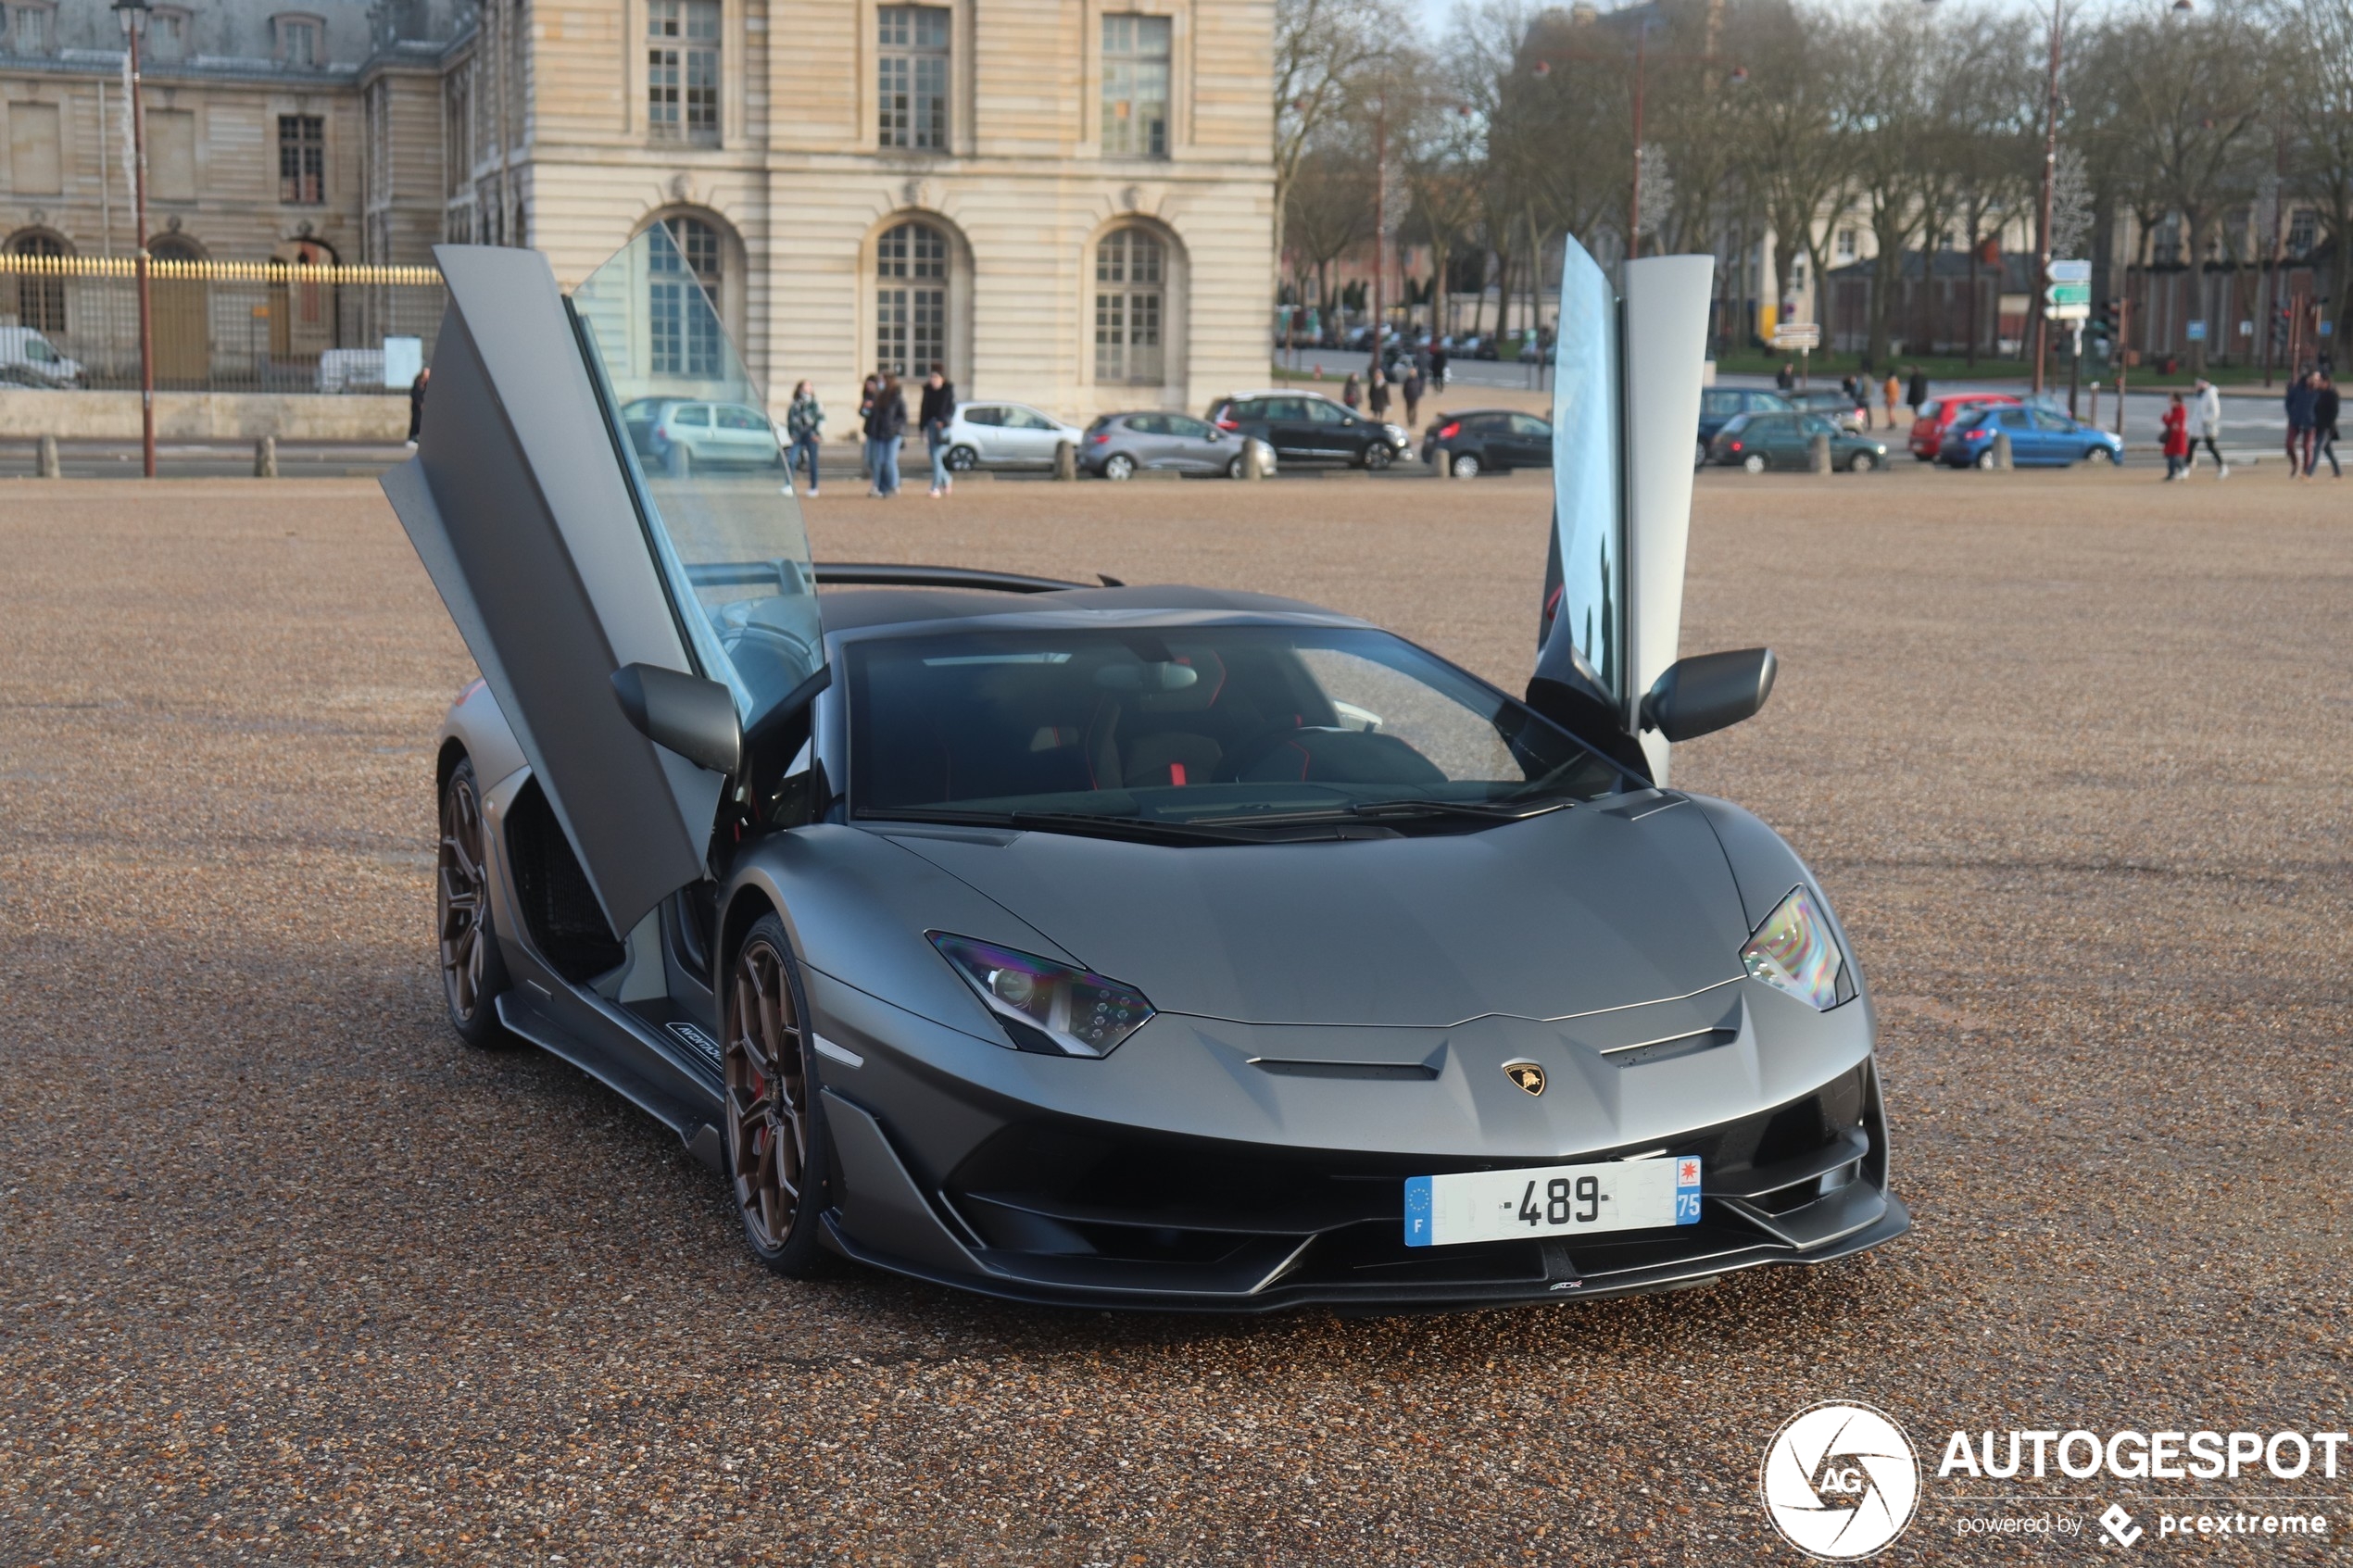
(28, 359)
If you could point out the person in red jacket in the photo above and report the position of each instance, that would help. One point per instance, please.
(2176, 425)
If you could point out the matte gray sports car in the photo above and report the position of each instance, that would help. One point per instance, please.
(1131, 946)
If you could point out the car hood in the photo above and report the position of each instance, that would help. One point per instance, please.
(1576, 911)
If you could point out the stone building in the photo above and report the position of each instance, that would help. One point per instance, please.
(1069, 202)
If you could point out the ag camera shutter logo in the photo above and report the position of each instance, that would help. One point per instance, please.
(1839, 1481)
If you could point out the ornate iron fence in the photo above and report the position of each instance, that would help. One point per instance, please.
(220, 326)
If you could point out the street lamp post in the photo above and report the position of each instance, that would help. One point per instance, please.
(132, 13)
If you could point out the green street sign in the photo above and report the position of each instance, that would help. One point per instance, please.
(2069, 294)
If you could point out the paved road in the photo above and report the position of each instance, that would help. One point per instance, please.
(290, 1275)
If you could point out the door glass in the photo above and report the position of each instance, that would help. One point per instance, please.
(979, 416)
(1588, 532)
(1817, 425)
(731, 546)
(690, 415)
(735, 415)
(2044, 420)
(1326, 413)
(1148, 424)
(1190, 428)
(1530, 425)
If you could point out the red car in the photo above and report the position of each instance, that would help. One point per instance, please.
(1928, 431)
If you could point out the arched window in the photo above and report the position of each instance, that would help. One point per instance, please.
(41, 298)
(685, 340)
(1131, 271)
(911, 299)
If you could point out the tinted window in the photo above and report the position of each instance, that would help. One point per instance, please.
(1028, 419)
(1528, 424)
(1817, 425)
(1763, 401)
(1148, 424)
(1929, 410)
(691, 414)
(983, 416)
(1180, 725)
(1717, 405)
(735, 415)
(1326, 413)
(2045, 419)
(1191, 430)
(1287, 408)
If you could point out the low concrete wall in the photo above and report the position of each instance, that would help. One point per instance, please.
(28, 414)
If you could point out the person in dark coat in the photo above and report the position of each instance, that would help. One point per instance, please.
(417, 405)
(2302, 400)
(886, 424)
(1414, 388)
(1437, 366)
(939, 409)
(1919, 394)
(1786, 377)
(1377, 399)
(2324, 412)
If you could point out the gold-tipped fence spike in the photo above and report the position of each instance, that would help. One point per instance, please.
(219, 271)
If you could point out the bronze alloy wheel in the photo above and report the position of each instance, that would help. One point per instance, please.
(472, 971)
(771, 1130)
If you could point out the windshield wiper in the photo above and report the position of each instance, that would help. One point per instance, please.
(1141, 829)
(1492, 810)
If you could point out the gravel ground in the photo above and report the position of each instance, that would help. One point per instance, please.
(290, 1275)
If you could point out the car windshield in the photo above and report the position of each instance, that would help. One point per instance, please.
(1195, 728)
(716, 496)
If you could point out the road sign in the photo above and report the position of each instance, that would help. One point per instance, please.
(1798, 334)
(2071, 272)
(2196, 331)
(2063, 294)
(2076, 312)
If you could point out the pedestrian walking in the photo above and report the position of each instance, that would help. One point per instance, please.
(1786, 377)
(417, 405)
(886, 426)
(2175, 440)
(2324, 408)
(938, 411)
(1378, 398)
(1415, 387)
(1437, 366)
(1917, 394)
(2206, 422)
(2302, 401)
(1351, 394)
(1894, 393)
(804, 426)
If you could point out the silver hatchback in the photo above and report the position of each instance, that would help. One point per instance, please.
(1119, 445)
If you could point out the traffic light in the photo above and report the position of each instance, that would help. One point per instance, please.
(2103, 330)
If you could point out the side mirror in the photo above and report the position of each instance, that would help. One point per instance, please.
(1708, 691)
(682, 713)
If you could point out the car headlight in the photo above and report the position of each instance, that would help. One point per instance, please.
(1398, 435)
(1043, 1005)
(1793, 951)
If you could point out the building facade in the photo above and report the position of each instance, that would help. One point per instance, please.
(1067, 202)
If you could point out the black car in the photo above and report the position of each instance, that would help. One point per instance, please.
(1719, 405)
(1304, 427)
(1486, 440)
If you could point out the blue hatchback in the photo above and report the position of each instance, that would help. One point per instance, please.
(2039, 438)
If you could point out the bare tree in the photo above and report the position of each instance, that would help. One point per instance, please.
(1786, 124)
(1325, 51)
(1885, 117)
(2318, 98)
(1329, 210)
(2189, 101)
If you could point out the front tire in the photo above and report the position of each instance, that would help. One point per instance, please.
(1234, 469)
(2100, 455)
(1753, 462)
(1862, 462)
(1466, 466)
(962, 459)
(1119, 465)
(473, 972)
(1985, 462)
(778, 1151)
(1378, 457)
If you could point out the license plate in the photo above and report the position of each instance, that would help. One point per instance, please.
(1616, 1195)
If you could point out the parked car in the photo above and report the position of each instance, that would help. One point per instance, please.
(1717, 405)
(1927, 430)
(2039, 438)
(1486, 440)
(1005, 435)
(1841, 410)
(676, 436)
(1757, 442)
(27, 358)
(1118, 445)
(1308, 427)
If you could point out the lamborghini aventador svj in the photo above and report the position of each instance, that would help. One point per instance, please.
(1147, 947)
